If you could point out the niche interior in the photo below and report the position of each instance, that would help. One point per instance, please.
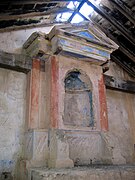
(78, 109)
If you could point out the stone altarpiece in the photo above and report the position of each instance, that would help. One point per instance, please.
(67, 100)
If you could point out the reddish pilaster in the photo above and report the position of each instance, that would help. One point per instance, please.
(34, 95)
(103, 105)
(54, 92)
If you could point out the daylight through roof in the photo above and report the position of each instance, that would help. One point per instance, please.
(116, 18)
(80, 14)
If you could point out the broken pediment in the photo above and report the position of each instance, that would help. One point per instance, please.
(37, 45)
(83, 41)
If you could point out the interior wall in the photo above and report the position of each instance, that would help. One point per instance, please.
(13, 41)
(120, 138)
(12, 118)
(121, 120)
(118, 72)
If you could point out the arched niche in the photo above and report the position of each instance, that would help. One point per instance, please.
(78, 109)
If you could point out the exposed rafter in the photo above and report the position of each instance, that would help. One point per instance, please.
(119, 5)
(127, 34)
(116, 18)
(124, 65)
(77, 10)
(35, 14)
(35, 2)
(119, 84)
(122, 48)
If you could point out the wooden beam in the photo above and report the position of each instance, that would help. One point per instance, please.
(83, 16)
(126, 66)
(119, 84)
(77, 10)
(127, 53)
(127, 34)
(17, 62)
(29, 26)
(122, 48)
(16, 2)
(119, 5)
(35, 14)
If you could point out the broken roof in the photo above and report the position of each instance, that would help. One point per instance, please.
(116, 18)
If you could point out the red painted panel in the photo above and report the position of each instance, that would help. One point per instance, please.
(103, 105)
(54, 92)
(34, 93)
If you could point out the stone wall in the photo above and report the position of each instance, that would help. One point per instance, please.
(12, 119)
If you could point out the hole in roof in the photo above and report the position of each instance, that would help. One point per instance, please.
(77, 18)
(85, 10)
(95, 1)
(73, 5)
(62, 17)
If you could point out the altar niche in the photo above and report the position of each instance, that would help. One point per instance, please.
(78, 109)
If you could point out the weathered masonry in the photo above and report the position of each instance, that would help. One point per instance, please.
(73, 113)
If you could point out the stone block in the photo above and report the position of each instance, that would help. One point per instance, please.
(59, 150)
(86, 148)
(86, 173)
(36, 149)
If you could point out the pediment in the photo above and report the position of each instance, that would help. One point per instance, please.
(87, 31)
(83, 41)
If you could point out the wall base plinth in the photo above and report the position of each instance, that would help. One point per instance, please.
(86, 173)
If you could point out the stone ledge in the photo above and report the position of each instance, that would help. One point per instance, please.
(97, 172)
(16, 62)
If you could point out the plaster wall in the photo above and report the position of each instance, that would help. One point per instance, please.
(115, 146)
(13, 41)
(12, 119)
(120, 138)
(121, 117)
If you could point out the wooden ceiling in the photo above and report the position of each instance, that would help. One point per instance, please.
(115, 17)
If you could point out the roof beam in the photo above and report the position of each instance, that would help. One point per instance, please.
(118, 4)
(119, 84)
(127, 34)
(35, 2)
(77, 10)
(122, 48)
(29, 26)
(126, 51)
(124, 65)
(83, 16)
(34, 14)
(17, 62)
